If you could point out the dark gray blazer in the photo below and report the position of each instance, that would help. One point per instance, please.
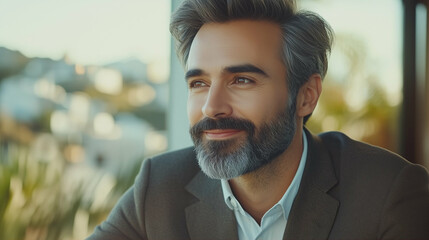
(349, 190)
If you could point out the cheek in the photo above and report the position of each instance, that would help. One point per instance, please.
(262, 106)
(194, 110)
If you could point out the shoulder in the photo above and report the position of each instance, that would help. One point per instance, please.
(341, 147)
(386, 193)
(369, 167)
(174, 165)
(366, 166)
(161, 179)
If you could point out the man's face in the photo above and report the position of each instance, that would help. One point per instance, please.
(238, 97)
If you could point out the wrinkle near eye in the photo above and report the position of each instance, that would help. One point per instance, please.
(243, 81)
(197, 84)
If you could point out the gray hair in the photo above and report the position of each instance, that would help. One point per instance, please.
(307, 37)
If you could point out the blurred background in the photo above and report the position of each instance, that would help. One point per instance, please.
(90, 88)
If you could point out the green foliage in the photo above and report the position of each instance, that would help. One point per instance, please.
(354, 101)
(38, 200)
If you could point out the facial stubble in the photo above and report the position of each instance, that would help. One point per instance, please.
(227, 159)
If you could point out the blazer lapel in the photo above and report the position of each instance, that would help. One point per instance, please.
(314, 210)
(209, 217)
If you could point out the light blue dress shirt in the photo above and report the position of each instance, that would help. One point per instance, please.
(273, 223)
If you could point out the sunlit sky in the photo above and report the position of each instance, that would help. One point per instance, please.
(103, 31)
(88, 31)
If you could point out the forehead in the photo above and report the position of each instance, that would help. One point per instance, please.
(235, 42)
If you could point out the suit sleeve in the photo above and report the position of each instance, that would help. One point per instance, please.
(126, 221)
(406, 210)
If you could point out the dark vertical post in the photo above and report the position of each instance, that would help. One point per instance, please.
(424, 102)
(408, 115)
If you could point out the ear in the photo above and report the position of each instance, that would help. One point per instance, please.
(308, 95)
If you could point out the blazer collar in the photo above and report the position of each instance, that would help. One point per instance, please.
(314, 210)
(311, 217)
(209, 218)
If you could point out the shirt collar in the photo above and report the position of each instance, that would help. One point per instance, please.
(287, 199)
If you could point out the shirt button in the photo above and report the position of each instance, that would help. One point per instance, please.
(234, 203)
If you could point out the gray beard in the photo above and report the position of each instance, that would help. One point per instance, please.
(227, 159)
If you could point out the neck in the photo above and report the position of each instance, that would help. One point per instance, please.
(251, 189)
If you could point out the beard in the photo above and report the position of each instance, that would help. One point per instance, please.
(227, 159)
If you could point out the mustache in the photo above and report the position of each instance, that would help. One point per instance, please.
(222, 123)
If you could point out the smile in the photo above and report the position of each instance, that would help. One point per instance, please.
(220, 134)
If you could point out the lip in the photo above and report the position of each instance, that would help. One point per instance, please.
(218, 134)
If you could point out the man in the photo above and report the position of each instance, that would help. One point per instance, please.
(254, 70)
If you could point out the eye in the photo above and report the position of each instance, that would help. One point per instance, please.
(242, 80)
(197, 84)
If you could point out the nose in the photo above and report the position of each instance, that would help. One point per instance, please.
(217, 104)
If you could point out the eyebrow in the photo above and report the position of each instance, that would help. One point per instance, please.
(194, 73)
(249, 68)
(244, 68)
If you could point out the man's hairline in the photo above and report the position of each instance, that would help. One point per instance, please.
(185, 57)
